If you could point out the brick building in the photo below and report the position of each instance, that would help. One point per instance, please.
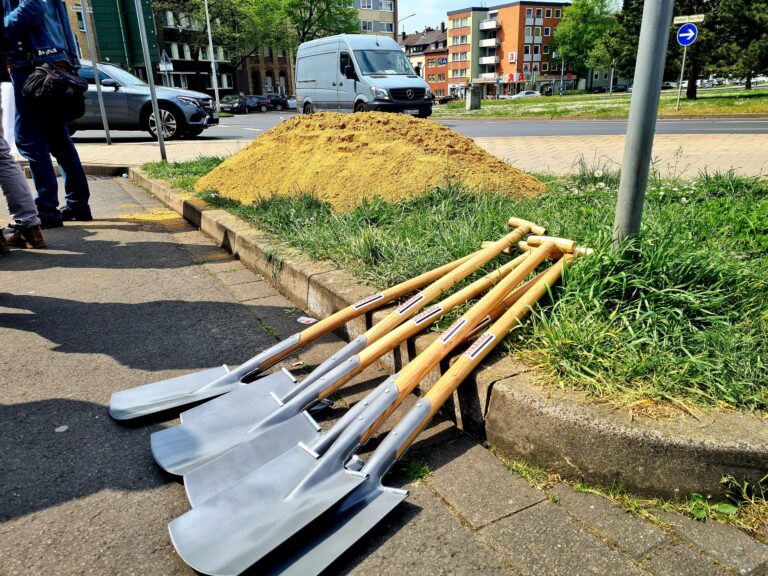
(427, 52)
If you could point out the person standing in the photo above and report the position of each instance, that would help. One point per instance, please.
(37, 32)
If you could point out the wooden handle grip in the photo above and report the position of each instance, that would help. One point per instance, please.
(520, 223)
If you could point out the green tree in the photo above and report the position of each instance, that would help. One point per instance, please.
(310, 19)
(584, 25)
(743, 29)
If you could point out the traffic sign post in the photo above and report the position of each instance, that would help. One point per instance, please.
(686, 35)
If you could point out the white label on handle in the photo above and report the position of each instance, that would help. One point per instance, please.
(305, 320)
(479, 345)
(410, 303)
(367, 301)
(453, 330)
(427, 314)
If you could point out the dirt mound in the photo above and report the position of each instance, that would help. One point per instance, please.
(343, 158)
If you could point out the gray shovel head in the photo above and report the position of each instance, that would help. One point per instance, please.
(239, 526)
(167, 394)
(320, 544)
(231, 467)
(180, 449)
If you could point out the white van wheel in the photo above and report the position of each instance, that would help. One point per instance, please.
(361, 107)
(308, 109)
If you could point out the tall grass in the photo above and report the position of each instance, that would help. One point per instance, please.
(678, 316)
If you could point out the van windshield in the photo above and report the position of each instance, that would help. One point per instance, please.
(390, 62)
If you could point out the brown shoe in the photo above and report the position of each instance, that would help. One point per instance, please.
(31, 237)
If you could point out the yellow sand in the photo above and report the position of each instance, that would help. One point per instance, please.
(343, 158)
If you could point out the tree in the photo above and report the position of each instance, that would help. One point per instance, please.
(312, 19)
(584, 24)
(743, 29)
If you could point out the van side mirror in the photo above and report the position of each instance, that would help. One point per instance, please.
(349, 72)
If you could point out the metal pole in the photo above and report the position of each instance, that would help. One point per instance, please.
(562, 63)
(150, 79)
(213, 58)
(682, 73)
(649, 71)
(610, 83)
(94, 62)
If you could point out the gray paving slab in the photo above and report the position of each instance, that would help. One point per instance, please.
(680, 560)
(727, 545)
(477, 485)
(544, 540)
(630, 533)
(253, 289)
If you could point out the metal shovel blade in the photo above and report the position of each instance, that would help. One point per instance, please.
(180, 449)
(324, 541)
(238, 527)
(226, 470)
(167, 394)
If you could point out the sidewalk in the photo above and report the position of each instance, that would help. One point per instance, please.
(137, 296)
(673, 155)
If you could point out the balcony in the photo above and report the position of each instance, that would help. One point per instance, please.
(486, 78)
(491, 24)
(489, 60)
(537, 57)
(490, 43)
(528, 40)
(529, 21)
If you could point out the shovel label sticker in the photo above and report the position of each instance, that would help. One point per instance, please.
(479, 345)
(427, 314)
(410, 303)
(453, 330)
(370, 300)
(305, 320)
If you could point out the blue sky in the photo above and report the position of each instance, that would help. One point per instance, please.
(428, 12)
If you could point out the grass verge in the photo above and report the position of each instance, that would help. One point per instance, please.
(676, 319)
(709, 103)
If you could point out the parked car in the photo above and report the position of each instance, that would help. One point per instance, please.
(258, 103)
(599, 89)
(234, 104)
(279, 103)
(668, 85)
(447, 98)
(128, 105)
(358, 73)
(525, 94)
(620, 87)
(292, 103)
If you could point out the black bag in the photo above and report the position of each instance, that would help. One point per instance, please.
(55, 93)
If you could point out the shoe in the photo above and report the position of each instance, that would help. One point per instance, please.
(81, 216)
(31, 237)
(48, 224)
(4, 247)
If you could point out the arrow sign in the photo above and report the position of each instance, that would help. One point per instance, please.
(686, 34)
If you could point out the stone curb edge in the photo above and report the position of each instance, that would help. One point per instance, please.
(559, 430)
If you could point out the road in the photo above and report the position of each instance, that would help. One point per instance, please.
(251, 125)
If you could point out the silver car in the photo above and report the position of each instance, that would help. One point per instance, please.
(128, 105)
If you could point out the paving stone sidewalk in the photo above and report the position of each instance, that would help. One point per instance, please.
(137, 296)
(673, 155)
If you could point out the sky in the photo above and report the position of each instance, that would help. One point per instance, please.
(429, 12)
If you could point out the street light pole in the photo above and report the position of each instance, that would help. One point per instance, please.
(150, 79)
(213, 58)
(95, 63)
(404, 19)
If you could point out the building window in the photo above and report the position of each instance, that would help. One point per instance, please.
(431, 78)
(605, 75)
(79, 15)
(529, 12)
(460, 22)
(545, 66)
(387, 5)
(167, 19)
(187, 52)
(547, 31)
(537, 31)
(366, 25)
(366, 4)
(536, 67)
(203, 54)
(548, 13)
(267, 51)
(174, 51)
(596, 76)
(558, 13)
(554, 66)
(527, 30)
(546, 48)
(527, 49)
(538, 12)
(457, 40)
(536, 49)
(387, 26)
(458, 56)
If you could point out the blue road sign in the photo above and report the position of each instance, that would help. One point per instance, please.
(686, 34)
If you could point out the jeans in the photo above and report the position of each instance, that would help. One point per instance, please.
(21, 206)
(37, 138)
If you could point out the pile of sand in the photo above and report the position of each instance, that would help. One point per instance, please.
(343, 158)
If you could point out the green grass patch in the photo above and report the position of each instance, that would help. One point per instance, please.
(678, 318)
(709, 103)
(183, 175)
(415, 470)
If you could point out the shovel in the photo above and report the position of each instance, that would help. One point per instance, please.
(210, 430)
(350, 518)
(242, 524)
(174, 392)
(205, 481)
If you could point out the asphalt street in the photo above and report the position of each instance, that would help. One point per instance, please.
(248, 126)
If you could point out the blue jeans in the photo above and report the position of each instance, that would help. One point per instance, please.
(37, 138)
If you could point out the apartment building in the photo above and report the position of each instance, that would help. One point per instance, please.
(427, 52)
(378, 16)
(504, 47)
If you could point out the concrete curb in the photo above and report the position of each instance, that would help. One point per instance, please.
(603, 118)
(561, 431)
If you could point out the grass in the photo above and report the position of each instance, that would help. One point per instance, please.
(183, 174)
(415, 470)
(676, 319)
(710, 103)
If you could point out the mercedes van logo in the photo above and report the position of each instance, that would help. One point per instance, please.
(409, 93)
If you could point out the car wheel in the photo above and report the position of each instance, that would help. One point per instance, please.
(170, 120)
(279, 107)
(424, 114)
(308, 109)
(361, 107)
(263, 108)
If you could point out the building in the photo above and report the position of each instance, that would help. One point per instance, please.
(378, 16)
(427, 52)
(504, 48)
(267, 71)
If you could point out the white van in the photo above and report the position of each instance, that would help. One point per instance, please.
(358, 73)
